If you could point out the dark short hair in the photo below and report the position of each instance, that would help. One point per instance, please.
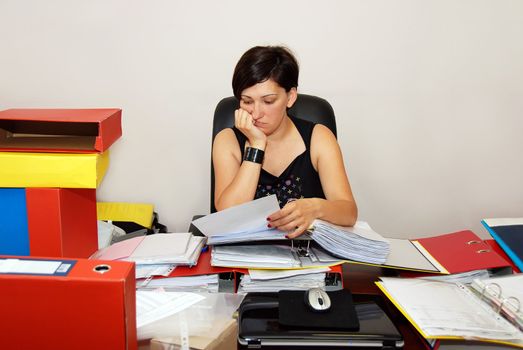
(262, 63)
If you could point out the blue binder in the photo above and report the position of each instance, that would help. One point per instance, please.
(508, 233)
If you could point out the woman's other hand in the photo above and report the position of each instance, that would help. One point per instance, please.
(244, 122)
(296, 216)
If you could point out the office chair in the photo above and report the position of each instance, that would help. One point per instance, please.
(308, 107)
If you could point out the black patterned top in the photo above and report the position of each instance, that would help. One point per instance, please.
(298, 180)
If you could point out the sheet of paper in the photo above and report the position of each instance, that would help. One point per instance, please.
(443, 309)
(144, 271)
(140, 213)
(163, 244)
(275, 274)
(239, 219)
(29, 266)
(120, 250)
(152, 306)
(404, 254)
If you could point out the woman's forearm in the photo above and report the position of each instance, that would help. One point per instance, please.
(339, 212)
(242, 188)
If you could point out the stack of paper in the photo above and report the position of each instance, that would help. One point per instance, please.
(299, 282)
(247, 222)
(358, 243)
(276, 280)
(269, 256)
(157, 249)
(200, 283)
(257, 256)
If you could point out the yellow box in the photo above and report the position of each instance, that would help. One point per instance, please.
(63, 170)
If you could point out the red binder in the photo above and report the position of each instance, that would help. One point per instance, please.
(83, 304)
(62, 222)
(59, 130)
(462, 251)
(203, 267)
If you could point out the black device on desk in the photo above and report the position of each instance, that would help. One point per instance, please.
(265, 323)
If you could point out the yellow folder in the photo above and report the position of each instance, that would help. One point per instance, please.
(140, 213)
(63, 170)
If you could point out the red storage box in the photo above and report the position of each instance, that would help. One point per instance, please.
(59, 130)
(67, 304)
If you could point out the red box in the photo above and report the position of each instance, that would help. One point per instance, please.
(62, 222)
(59, 130)
(77, 309)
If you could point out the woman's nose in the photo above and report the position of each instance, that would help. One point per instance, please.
(256, 112)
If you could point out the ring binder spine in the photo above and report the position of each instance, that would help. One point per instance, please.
(516, 307)
(507, 307)
(490, 285)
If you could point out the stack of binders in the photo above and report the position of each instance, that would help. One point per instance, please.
(52, 161)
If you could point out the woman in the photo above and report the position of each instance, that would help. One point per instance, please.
(270, 152)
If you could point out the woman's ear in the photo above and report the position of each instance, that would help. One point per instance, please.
(292, 95)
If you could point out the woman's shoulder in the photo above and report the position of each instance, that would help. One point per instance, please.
(226, 136)
(323, 141)
(229, 133)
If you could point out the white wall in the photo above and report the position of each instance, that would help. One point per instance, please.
(428, 94)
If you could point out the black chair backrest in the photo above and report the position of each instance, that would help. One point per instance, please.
(308, 107)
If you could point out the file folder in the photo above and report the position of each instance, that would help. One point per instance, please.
(67, 304)
(462, 251)
(449, 253)
(508, 233)
(59, 130)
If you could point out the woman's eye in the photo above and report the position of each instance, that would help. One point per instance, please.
(247, 102)
(269, 102)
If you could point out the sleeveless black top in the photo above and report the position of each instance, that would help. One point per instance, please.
(298, 180)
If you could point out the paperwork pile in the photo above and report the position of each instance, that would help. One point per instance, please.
(256, 256)
(274, 281)
(358, 243)
(200, 283)
(163, 250)
(247, 222)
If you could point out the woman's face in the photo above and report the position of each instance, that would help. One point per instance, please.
(267, 102)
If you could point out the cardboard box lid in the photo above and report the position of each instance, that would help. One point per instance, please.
(59, 130)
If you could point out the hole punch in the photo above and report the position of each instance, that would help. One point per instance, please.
(101, 269)
(473, 242)
(481, 251)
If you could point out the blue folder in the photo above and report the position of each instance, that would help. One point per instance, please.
(14, 233)
(508, 233)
